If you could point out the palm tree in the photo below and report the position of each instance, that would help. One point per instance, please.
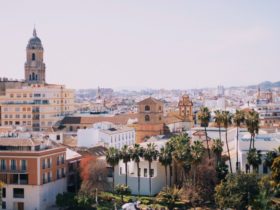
(218, 120)
(165, 158)
(182, 155)
(1, 195)
(238, 118)
(125, 156)
(217, 149)
(269, 158)
(112, 158)
(227, 120)
(252, 123)
(254, 158)
(204, 116)
(136, 152)
(197, 152)
(150, 154)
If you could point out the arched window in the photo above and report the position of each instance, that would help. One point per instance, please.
(147, 108)
(33, 76)
(36, 77)
(159, 108)
(147, 118)
(33, 56)
(30, 77)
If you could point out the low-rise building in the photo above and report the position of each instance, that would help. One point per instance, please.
(107, 134)
(34, 171)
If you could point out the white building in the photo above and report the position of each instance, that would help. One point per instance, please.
(263, 142)
(107, 134)
(157, 171)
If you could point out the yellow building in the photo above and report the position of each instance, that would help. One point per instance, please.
(34, 104)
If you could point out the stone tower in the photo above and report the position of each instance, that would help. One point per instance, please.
(34, 65)
(150, 119)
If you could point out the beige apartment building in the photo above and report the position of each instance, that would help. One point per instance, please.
(37, 107)
(33, 103)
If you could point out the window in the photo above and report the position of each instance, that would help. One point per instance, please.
(147, 118)
(49, 176)
(44, 164)
(18, 193)
(145, 172)
(147, 108)
(4, 205)
(49, 162)
(23, 165)
(33, 56)
(3, 192)
(63, 172)
(159, 108)
(3, 165)
(13, 165)
(152, 172)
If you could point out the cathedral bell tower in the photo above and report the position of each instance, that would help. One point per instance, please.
(34, 65)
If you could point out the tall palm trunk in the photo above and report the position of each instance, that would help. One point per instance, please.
(170, 169)
(253, 141)
(220, 135)
(166, 184)
(208, 150)
(126, 174)
(113, 178)
(150, 179)
(138, 174)
(237, 162)
(250, 147)
(228, 153)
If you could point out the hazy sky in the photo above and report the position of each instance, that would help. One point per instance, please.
(145, 43)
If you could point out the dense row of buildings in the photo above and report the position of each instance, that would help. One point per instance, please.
(42, 128)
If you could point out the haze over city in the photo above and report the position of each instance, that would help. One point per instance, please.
(152, 44)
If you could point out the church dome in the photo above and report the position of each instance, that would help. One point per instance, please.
(34, 42)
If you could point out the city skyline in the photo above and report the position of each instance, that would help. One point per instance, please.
(144, 44)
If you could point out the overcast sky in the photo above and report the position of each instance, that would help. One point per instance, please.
(145, 43)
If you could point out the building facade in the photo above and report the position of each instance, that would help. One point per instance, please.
(33, 172)
(150, 119)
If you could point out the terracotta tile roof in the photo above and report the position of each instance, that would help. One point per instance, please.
(19, 142)
(117, 119)
(150, 100)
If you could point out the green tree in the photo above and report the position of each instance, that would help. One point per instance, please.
(275, 173)
(237, 191)
(182, 155)
(204, 116)
(112, 158)
(238, 118)
(269, 158)
(125, 157)
(150, 154)
(218, 120)
(197, 152)
(169, 196)
(136, 153)
(227, 121)
(254, 158)
(122, 190)
(252, 123)
(217, 149)
(165, 158)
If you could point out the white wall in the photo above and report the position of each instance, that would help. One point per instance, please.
(87, 137)
(38, 197)
(158, 180)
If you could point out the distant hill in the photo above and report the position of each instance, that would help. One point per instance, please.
(266, 85)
